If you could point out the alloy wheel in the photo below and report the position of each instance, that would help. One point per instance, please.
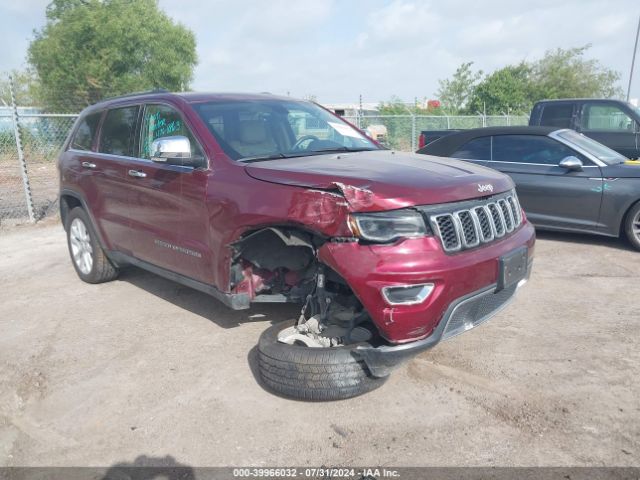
(81, 248)
(635, 226)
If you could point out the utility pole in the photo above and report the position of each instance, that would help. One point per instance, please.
(633, 60)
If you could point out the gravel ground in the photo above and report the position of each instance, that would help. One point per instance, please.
(102, 374)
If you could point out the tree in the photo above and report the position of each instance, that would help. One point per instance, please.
(454, 93)
(92, 49)
(566, 74)
(25, 88)
(559, 73)
(506, 90)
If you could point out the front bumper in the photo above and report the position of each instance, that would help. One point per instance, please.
(368, 269)
(463, 314)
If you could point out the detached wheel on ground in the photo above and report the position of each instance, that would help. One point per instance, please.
(312, 373)
(88, 258)
(632, 226)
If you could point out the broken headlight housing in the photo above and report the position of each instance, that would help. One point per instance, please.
(385, 227)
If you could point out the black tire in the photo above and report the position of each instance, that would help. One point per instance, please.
(633, 220)
(308, 373)
(102, 270)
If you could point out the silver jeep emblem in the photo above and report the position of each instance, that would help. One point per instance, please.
(485, 188)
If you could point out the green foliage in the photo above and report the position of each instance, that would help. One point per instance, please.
(25, 88)
(504, 91)
(566, 74)
(455, 93)
(92, 49)
(559, 73)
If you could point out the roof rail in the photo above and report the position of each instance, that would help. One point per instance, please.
(135, 94)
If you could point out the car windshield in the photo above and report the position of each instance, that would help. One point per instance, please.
(266, 129)
(598, 150)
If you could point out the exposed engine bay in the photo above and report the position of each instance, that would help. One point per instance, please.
(281, 265)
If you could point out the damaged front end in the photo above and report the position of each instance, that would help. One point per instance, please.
(282, 264)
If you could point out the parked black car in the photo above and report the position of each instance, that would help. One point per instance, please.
(613, 123)
(565, 180)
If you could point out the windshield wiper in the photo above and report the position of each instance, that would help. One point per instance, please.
(342, 149)
(261, 158)
(304, 153)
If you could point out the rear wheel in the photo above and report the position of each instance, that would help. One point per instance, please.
(312, 373)
(88, 258)
(632, 226)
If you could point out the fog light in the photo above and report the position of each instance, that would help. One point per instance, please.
(407, 294)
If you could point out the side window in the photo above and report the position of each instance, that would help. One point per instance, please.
(530, 149)
(163, 121)
(476, 149)
(606, 117)
(118, 132)
(558, 115)
(83, 139)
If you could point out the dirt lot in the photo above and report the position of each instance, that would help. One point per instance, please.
(98, 375)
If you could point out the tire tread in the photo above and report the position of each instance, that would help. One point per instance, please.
(306, 373)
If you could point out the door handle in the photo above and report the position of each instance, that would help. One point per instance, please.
(88, 165)
(137, 173)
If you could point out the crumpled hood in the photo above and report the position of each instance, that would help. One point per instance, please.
(385, 180)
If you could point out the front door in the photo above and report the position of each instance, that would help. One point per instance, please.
(550, 195)
(167, 202)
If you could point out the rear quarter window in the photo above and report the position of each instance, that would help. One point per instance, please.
(86, 133)
(476, 149)
(557, 115)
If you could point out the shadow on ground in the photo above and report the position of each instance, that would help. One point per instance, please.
(205, 305)
(150, 468)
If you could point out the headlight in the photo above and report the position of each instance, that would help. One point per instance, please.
(386, 227)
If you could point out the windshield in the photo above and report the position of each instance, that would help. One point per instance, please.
(601, 152)
(253, 130)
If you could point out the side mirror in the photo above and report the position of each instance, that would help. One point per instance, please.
(571, 163)
(174, 150)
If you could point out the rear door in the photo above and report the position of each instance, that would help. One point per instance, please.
(108, 199)
(612, 125)
(167, 202)
(551, 196)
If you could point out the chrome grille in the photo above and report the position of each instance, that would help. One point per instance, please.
(470, 232)
(486, 231)
(482, 222)
(447, 231)
(497, 219)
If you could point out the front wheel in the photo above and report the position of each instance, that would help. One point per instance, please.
(312, 373)
(632, 226)
(88, 258)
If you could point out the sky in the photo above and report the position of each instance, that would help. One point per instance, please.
(337, 50)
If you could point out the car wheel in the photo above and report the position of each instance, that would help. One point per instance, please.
(632, 226)
(312, 373)
(88, 258)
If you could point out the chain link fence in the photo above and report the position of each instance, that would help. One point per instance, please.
(29, 177)
(28, 173)
(402, 131)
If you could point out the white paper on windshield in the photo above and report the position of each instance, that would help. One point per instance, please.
(344, 130)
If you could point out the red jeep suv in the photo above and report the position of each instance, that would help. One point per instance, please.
(259, 198)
